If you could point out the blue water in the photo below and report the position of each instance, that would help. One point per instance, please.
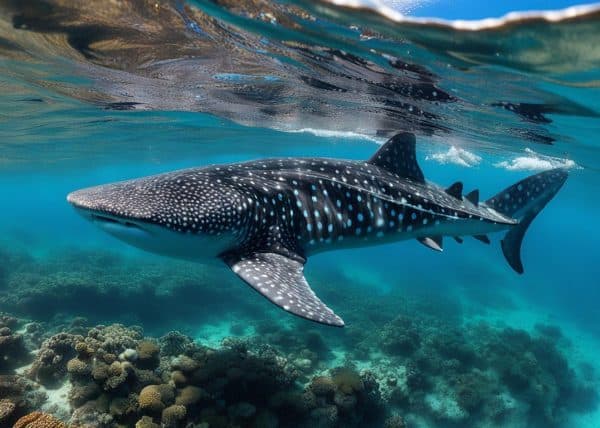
(121, 107)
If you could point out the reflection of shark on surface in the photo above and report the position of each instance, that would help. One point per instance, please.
(264, 218)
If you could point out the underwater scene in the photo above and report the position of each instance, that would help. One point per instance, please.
(360, 213)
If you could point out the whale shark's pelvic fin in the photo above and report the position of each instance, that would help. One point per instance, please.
(398, 156)
(482, 238)
(455, 190)
(281, 280)
(434, 242)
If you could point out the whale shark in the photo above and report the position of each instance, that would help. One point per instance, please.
(264, 218)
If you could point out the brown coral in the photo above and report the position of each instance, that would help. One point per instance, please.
(347, 381)
(118, 373)
(150, 399)
(148, 355)
(146, 422)
(172, 415)
(7, 408)
(78, 368)
(184, 364)
(322, 385)
(39, 420)
(83, 351)
(123, 406)
(178, 378)
(190, 395)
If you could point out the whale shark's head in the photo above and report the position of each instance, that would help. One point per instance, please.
(186, 214)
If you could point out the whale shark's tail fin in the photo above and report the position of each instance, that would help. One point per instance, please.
(523, 201)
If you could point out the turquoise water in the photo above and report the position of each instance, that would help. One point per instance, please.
(452, 339)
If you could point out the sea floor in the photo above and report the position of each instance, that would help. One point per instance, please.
(95, 338)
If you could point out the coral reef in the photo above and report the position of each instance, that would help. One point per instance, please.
(39, 420)
(423, 365)
(101, 285)
(19, 396)
(13, 350)
(118, 377)
(480, 375)
(50, 365)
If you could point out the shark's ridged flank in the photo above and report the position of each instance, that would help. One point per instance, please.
(265, 218)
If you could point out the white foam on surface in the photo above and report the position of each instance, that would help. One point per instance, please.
(533, 161)
(457, 156)
(471, 25)
(336, 134)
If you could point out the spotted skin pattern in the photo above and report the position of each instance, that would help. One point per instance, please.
(284, 285)
(270, 215)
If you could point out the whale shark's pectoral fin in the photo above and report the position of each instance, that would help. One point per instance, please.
(434, 242)
(399, 157)
(281, 280)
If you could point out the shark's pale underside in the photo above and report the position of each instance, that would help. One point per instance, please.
(264, 218)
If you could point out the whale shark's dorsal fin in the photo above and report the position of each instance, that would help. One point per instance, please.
(398, 155)
(455, 190)
(281, 280)
(434, 242)
(473, 197)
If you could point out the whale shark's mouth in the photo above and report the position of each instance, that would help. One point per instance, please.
(120, 226)
(106, 220)
(131, 231)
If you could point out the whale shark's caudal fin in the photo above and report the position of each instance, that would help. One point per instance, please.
(523, 201)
